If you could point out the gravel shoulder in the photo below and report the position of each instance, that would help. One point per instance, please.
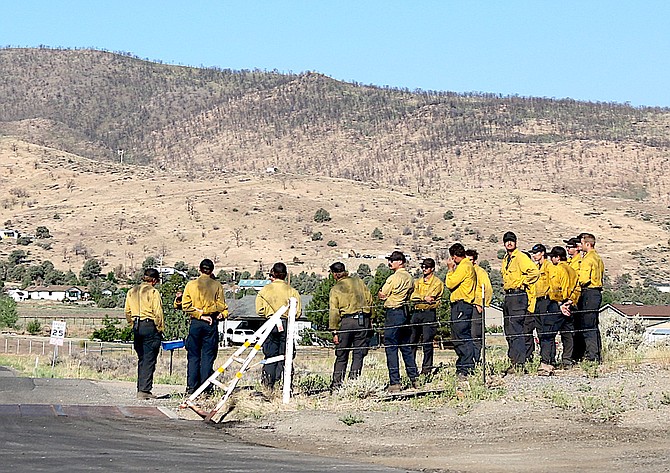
(618, 421)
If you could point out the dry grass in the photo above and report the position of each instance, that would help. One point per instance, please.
(122, 215)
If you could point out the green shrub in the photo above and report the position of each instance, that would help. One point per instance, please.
(321, 216)
(111, 332)
(34, 327)
(8, 313)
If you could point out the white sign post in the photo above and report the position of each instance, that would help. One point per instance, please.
(57, 338)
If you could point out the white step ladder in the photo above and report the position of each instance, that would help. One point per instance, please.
(253, 346)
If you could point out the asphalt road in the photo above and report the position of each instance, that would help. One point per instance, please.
(47, 425)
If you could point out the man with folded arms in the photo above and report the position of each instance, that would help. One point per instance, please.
(519, 273)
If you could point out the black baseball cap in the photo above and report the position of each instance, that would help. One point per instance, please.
(207, 264)
(538, 248)
(337, 267)
(397, 256)
(428, 263)
(509, 236)
(572, 242)
(559, 252)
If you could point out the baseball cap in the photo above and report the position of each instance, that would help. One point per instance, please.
(428, 263)
(572, 242)
(337, 267)
(509, 236)
(559, 252)
(538, 248)
(207, 264)
(397, 256)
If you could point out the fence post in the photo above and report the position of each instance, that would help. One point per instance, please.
(30, 347)
(288, 357)
(43, 347)
(18, 341)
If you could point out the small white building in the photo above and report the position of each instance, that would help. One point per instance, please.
(56, 293)
(7, 233)
(17, 294)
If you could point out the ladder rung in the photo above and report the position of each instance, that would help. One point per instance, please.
(218, 383)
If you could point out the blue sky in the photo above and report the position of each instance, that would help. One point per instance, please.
(593, 50)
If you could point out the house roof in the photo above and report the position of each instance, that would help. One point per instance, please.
(54, 288)
(661, 312)
(253, 282)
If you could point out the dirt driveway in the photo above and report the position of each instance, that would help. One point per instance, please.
(617, 422)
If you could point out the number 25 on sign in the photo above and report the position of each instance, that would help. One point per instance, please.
(57, 333)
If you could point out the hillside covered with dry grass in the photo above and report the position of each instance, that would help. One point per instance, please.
(197, 143)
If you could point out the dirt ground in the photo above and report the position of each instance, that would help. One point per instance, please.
(617, 422)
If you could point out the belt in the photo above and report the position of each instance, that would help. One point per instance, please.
(137, 317)
(514, 291)
(599, 289)
(433, 309)
(354, 316)
(542, 298)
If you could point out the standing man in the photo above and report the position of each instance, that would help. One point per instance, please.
(203, 301)
(484, 297)
(395, 293)
(591, 274)
(541, 294)
(144, 311)
(563, 293)
(350, 307)
(461, 281)
(572, 336)
(268, 301)
(518, 273)
(426, 296)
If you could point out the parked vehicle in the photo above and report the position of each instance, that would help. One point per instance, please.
(239, 335)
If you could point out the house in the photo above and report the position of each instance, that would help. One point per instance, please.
(649, 314)
(257, 284)
(6, 233)
(17, 294)
(167, 271)
(56, 293)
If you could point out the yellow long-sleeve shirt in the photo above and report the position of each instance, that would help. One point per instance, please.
(542, 284)
(424, 288)
(575, 262)
(275, 295)
(483, 280)
(144, 301)
(592, 270)
(348, 296)
(563, 283)
(397, 287)
(204, 296)
(462, 282)
(518, 271)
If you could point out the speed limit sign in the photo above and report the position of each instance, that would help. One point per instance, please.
(57, 333)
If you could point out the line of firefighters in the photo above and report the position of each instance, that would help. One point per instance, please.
(544, 290)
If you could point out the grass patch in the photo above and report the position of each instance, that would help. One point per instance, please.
(351, 419)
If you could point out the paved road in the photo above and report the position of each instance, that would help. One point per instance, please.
(41, 431)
